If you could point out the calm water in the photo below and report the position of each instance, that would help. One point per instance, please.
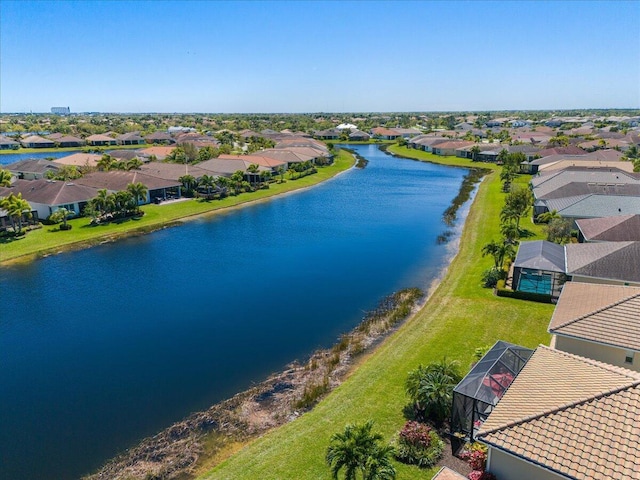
(7, 158)
(102, 347)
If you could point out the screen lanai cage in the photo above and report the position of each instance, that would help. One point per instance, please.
(483, 387)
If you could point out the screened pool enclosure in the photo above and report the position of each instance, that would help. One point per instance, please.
(483, 387)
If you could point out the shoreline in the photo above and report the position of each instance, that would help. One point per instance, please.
(147, 229)
(266, 406)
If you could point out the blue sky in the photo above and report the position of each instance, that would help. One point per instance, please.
(334, 56)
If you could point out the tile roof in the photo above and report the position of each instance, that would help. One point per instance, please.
(172, 171)
(36, 139)
(574, 416)
(610, 229)
(117, 180)
(51, 192)
(79, 159)
(100, 138)
(599, 313)
(606, 260)
(445, 473)
(159, 152)
(595, 205)
(32, 165)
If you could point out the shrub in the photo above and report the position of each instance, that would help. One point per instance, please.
(418, 444)
(491, 277)
(481, 475)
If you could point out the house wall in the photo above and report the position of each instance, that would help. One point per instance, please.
(508, 467)
(595, 351)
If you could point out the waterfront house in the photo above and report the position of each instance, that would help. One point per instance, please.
(450, 147)
(227, 165)
(8, 144)
(35, 141)
(66, 141)
(172, 171)
(160, 152)
(47, 196)
(132, 138)
(359, 136)
(331, 134)
(384, 133)
(117, 180)
(159, 137)
(565, 417)
(600, 322)
(590, 206)
(32, 168)
(539, 268)
(101, 140)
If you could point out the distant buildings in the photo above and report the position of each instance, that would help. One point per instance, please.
(60, 110)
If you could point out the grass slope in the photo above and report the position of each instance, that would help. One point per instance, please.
(50, 239)
(459, 317)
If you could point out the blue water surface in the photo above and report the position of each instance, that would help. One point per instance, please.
(102, 347)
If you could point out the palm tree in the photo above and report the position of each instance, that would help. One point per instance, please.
(16, 207)
(430, 389)
(356, 450)
(134, 164)
(139, 192)
(475, 150)
(208, 182)
(104, 202)
(510, 232)
(189, 183)
(60, 215)
(236, 179)
(105, 162)
(5, 178)
(498, 251)
(280, 171)
(546, 217)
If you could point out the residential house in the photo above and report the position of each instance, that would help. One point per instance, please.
(359, 136)
(159, 137)
(32, 168)
(123, 155)
(426, 142)
(273, 164)
(407, 132)
(331, 134)
(35, 141)
(565, 417)
(613, 263)
(227, 165)
(79, 160)
(450, 147)
(8, 144)
(158, 189)
(539, 268)
(69, 141)
(101, 140)
(172, 171)
(132, 138)
(600, 322)
(47, 196)
(160, 153)
(590, 206)
(622, 228)
(570, 150)
(384, 133)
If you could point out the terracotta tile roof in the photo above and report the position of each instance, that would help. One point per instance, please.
(621, 228)
(446, 473)
(159, 152)
(571, 415)
(601, 313)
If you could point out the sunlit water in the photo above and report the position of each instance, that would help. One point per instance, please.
(102, 347)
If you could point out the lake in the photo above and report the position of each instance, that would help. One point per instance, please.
(102, 347)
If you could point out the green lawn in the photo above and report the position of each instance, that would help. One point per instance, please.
(49, 239)
(459, 317)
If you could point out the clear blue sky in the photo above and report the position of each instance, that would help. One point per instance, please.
(259, 56)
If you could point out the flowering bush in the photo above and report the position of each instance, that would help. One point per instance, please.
(418, 444)
(476, 456)
(480, 475)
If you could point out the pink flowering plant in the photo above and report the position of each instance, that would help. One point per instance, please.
(418, 444)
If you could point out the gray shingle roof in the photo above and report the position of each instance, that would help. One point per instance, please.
(610, 229)
(594, 206)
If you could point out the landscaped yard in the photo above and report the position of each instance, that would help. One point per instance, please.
(459, 317)
(49, 239)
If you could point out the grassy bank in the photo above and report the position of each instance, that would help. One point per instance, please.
(49, 239)
(459, 317)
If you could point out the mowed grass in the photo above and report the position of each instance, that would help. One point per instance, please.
(50, 239)
(459, 316)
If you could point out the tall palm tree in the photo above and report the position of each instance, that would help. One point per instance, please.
(104, 202)
(189, 183)
(139, 192)
(356, 450)
(208, 182)
(105, 162)
(498, 251)
(475, 150)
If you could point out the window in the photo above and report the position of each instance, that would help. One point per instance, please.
(628, 357)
